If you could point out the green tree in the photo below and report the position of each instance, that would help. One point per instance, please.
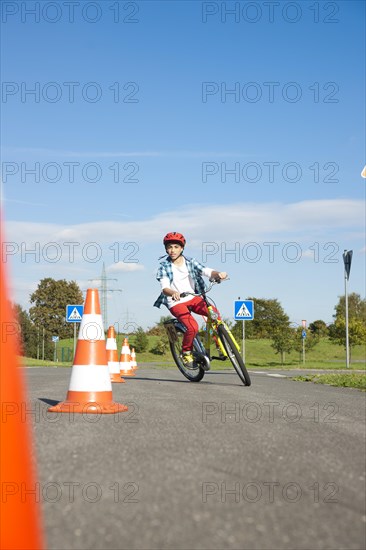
(28, 332)
(50, 301)
(356, 321)
(161, 346)
(356, 307)
(158, 329)
(319, 328)
(269, 317)
(141, 341)
(356, 332)
(230, 323)
(283, 341)
(311, 340)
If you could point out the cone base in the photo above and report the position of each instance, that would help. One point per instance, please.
(117, 378)
(89, 403)
(127, 374)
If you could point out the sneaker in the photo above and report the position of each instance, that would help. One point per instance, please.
(188, 359)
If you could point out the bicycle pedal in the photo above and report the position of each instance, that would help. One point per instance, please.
(202, 361)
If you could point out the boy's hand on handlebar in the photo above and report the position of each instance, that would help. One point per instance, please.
(172, 294)
(218, 276)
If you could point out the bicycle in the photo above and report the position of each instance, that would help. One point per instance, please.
(216, 331)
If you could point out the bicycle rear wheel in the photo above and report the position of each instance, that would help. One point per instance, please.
(193, 375)
(234, 355)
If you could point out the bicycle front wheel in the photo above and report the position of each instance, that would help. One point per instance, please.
(234, 355)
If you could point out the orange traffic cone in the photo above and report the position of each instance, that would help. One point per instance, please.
(90, 384)
(20, 524)
(112, 356)
(125, 360)
(133, 360)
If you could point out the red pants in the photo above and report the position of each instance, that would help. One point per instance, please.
(183, 313)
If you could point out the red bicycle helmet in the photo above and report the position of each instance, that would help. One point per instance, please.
(174, 237)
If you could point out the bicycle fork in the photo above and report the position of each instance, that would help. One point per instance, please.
(211, 329)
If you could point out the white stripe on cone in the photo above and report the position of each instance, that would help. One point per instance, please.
(113, 365)
(96, 377)
(90, 378)
(111, 343)
(125, 366)
(91, 327)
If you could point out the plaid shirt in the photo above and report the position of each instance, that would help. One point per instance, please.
(194, 269)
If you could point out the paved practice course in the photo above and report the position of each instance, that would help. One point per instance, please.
(214, 465)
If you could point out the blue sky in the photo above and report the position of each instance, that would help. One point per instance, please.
(174, 152)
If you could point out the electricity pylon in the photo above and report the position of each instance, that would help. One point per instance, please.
(103, 294)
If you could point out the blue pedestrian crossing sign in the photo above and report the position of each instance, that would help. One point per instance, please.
(244, 310)
(74, 313)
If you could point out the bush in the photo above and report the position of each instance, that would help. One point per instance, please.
(141, 340)
(161, 346)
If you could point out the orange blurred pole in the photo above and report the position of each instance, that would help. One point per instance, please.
(20, 522)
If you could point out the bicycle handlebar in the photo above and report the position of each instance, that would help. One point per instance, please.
(213, 283)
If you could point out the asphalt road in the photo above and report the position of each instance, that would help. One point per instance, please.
(214, 465)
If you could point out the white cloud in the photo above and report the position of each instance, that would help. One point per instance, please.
(308, 254)
(83, 247)
(124, 266)
(204, 223)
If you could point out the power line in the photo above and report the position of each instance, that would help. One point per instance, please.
(103, 294)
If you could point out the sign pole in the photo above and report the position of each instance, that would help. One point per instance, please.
(243, 352)
(347, 334)
(74, 339)
(303, 340)
(243, 338)
(347, 259)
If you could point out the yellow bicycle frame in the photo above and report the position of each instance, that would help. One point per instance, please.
(211, 327)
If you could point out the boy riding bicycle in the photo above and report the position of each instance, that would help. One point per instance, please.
(178, 274)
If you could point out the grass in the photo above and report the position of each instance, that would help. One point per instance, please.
(325, 355)
(347, 380)
(31, 362)
(258, 353)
